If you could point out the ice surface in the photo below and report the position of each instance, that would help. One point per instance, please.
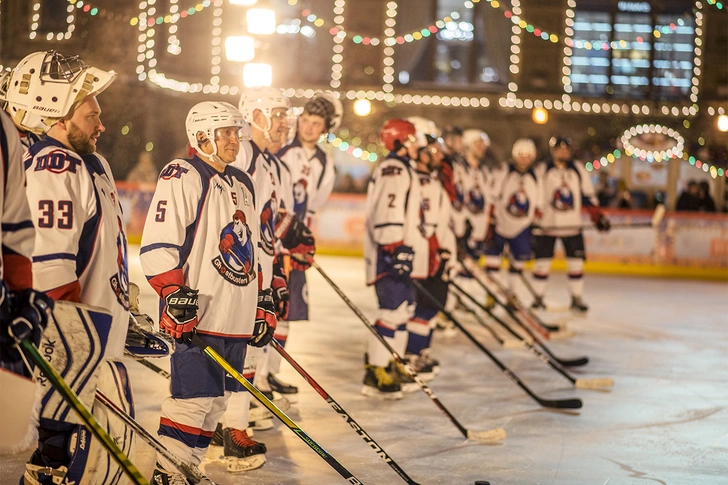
(665, 343)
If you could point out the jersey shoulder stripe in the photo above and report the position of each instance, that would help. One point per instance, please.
(294, 144)
(6, 156)
(16, 226)
(254, 159)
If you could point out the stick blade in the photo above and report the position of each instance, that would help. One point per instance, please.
(561, 403)
(512, 344)
(491, 436)
(598, 383)
(562, 334)
(657, 216)
(578, 362)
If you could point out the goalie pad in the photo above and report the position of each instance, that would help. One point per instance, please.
(18, 410)
(143, 341)
(75, 344)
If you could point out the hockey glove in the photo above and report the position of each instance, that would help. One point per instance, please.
(599, 219)
(490, 232)
(397, 259)
(265, 320)
(226, 243)
(435, 264)
(179, 317)
(29, 314)
(297, 238)
(279, 285)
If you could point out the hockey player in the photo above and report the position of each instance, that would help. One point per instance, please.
(566, 189)
(313, 176)
(470, 220)
(392, 220)
(79, 237)
(200, 252)
(514, 204)
(437, 240)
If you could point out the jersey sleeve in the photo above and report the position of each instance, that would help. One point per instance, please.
(387, 200)
(17, 235)
(325, 186)
(63, 209)
(588, 194)
(169, 226)
(495, 186)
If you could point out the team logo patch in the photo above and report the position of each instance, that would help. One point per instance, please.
(120, 281)
(300, 197)
(56, 161)
(267, 224)
(476, 204)
(387, 171)
(518, 204)
(563, 199)
(173, 171)
(235, 262)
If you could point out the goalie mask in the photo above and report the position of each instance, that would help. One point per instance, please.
(265, 99)
(47, 86)
(205, 118)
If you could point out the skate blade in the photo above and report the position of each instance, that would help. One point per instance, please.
(411, 387)
(241, 465)
(388, 396)
(215, 454)
(492, 436)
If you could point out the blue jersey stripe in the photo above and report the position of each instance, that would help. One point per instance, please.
(153, 246)
(54, 256)
(16, 226)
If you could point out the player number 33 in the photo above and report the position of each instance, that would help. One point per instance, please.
(49, 211)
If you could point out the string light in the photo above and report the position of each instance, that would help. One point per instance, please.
(713, 170)
(339, 36)
(698, 50)
(515, 46)
(389, 42)
(352, 148)
(653, 155)
(70, 21)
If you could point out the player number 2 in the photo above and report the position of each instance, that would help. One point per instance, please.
(161, 211)
(48, 219)
(391, 200)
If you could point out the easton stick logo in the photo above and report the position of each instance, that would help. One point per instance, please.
(361, 433)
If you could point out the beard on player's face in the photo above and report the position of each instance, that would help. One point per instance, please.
(81, 143)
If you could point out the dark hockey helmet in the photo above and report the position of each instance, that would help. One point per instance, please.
(560, 141)
(451, 130)
(397, 133)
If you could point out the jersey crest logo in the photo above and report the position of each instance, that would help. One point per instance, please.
(424, 207)
(387, 171)
(235, 262)
(563, 199)
(267, 224)
(120, 281)
(173, 171)
(300, 197)
(56, 161)
(476, 201)
(518, 204)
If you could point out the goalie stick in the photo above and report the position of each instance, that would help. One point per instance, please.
(190, 471)
(573, 403)
(232, 372)
(89, 420)
(484, 436)
(655, 221)
(347, 417)
(597, 383)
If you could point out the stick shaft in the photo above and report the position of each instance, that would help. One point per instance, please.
(389, 348)
(325, 455)
(337, 407)
(150, 365)
(89, 420)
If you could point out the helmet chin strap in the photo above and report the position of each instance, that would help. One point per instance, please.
(266, 130)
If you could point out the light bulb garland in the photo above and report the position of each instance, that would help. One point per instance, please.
(352, 148)
(653, 155)
(713, 170)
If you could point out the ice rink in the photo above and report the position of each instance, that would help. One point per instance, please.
(665, 343)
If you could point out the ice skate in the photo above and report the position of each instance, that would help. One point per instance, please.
(538, 304)
(289, 391)
(241, 452)
(578, 306)
(260, 418)
(164, 477)
(379, 383)
(425, 366)
(401, 377)
(444, 325)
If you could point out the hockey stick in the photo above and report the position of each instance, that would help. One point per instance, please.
(574, 403)
(655, 221)
(190, 471)
(484, 436)
(149, 365)
(325, 455)
(506, 344)
(598, 383)
(349, 420)
(565, 362)
(89, 420)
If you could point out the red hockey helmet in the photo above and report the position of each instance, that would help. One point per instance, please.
(240, 216)
(397, 130)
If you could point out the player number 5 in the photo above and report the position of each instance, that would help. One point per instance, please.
(161, 211)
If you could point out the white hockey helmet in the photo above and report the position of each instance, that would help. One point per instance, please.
(46, 86)
(266, 99)
(327, 105)
(208, 116)
(426, 131)
(472, 135)
(524, 147)
(4, 81)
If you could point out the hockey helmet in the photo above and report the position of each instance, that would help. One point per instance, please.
(524, 147)
(326, 105)
(560, 141)
(46, 86)
(397, 133)
(473, 135)
(208, 116)
(426, 130)
(452, 130)
(266, 99)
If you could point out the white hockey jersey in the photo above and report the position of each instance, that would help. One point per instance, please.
(17, 234)
(202, 231)
(564, 192)
(435, 212)
(80, 245)
(516, 196)
(273, 193)
(312, 176)
(393, 214)
(470, 188)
